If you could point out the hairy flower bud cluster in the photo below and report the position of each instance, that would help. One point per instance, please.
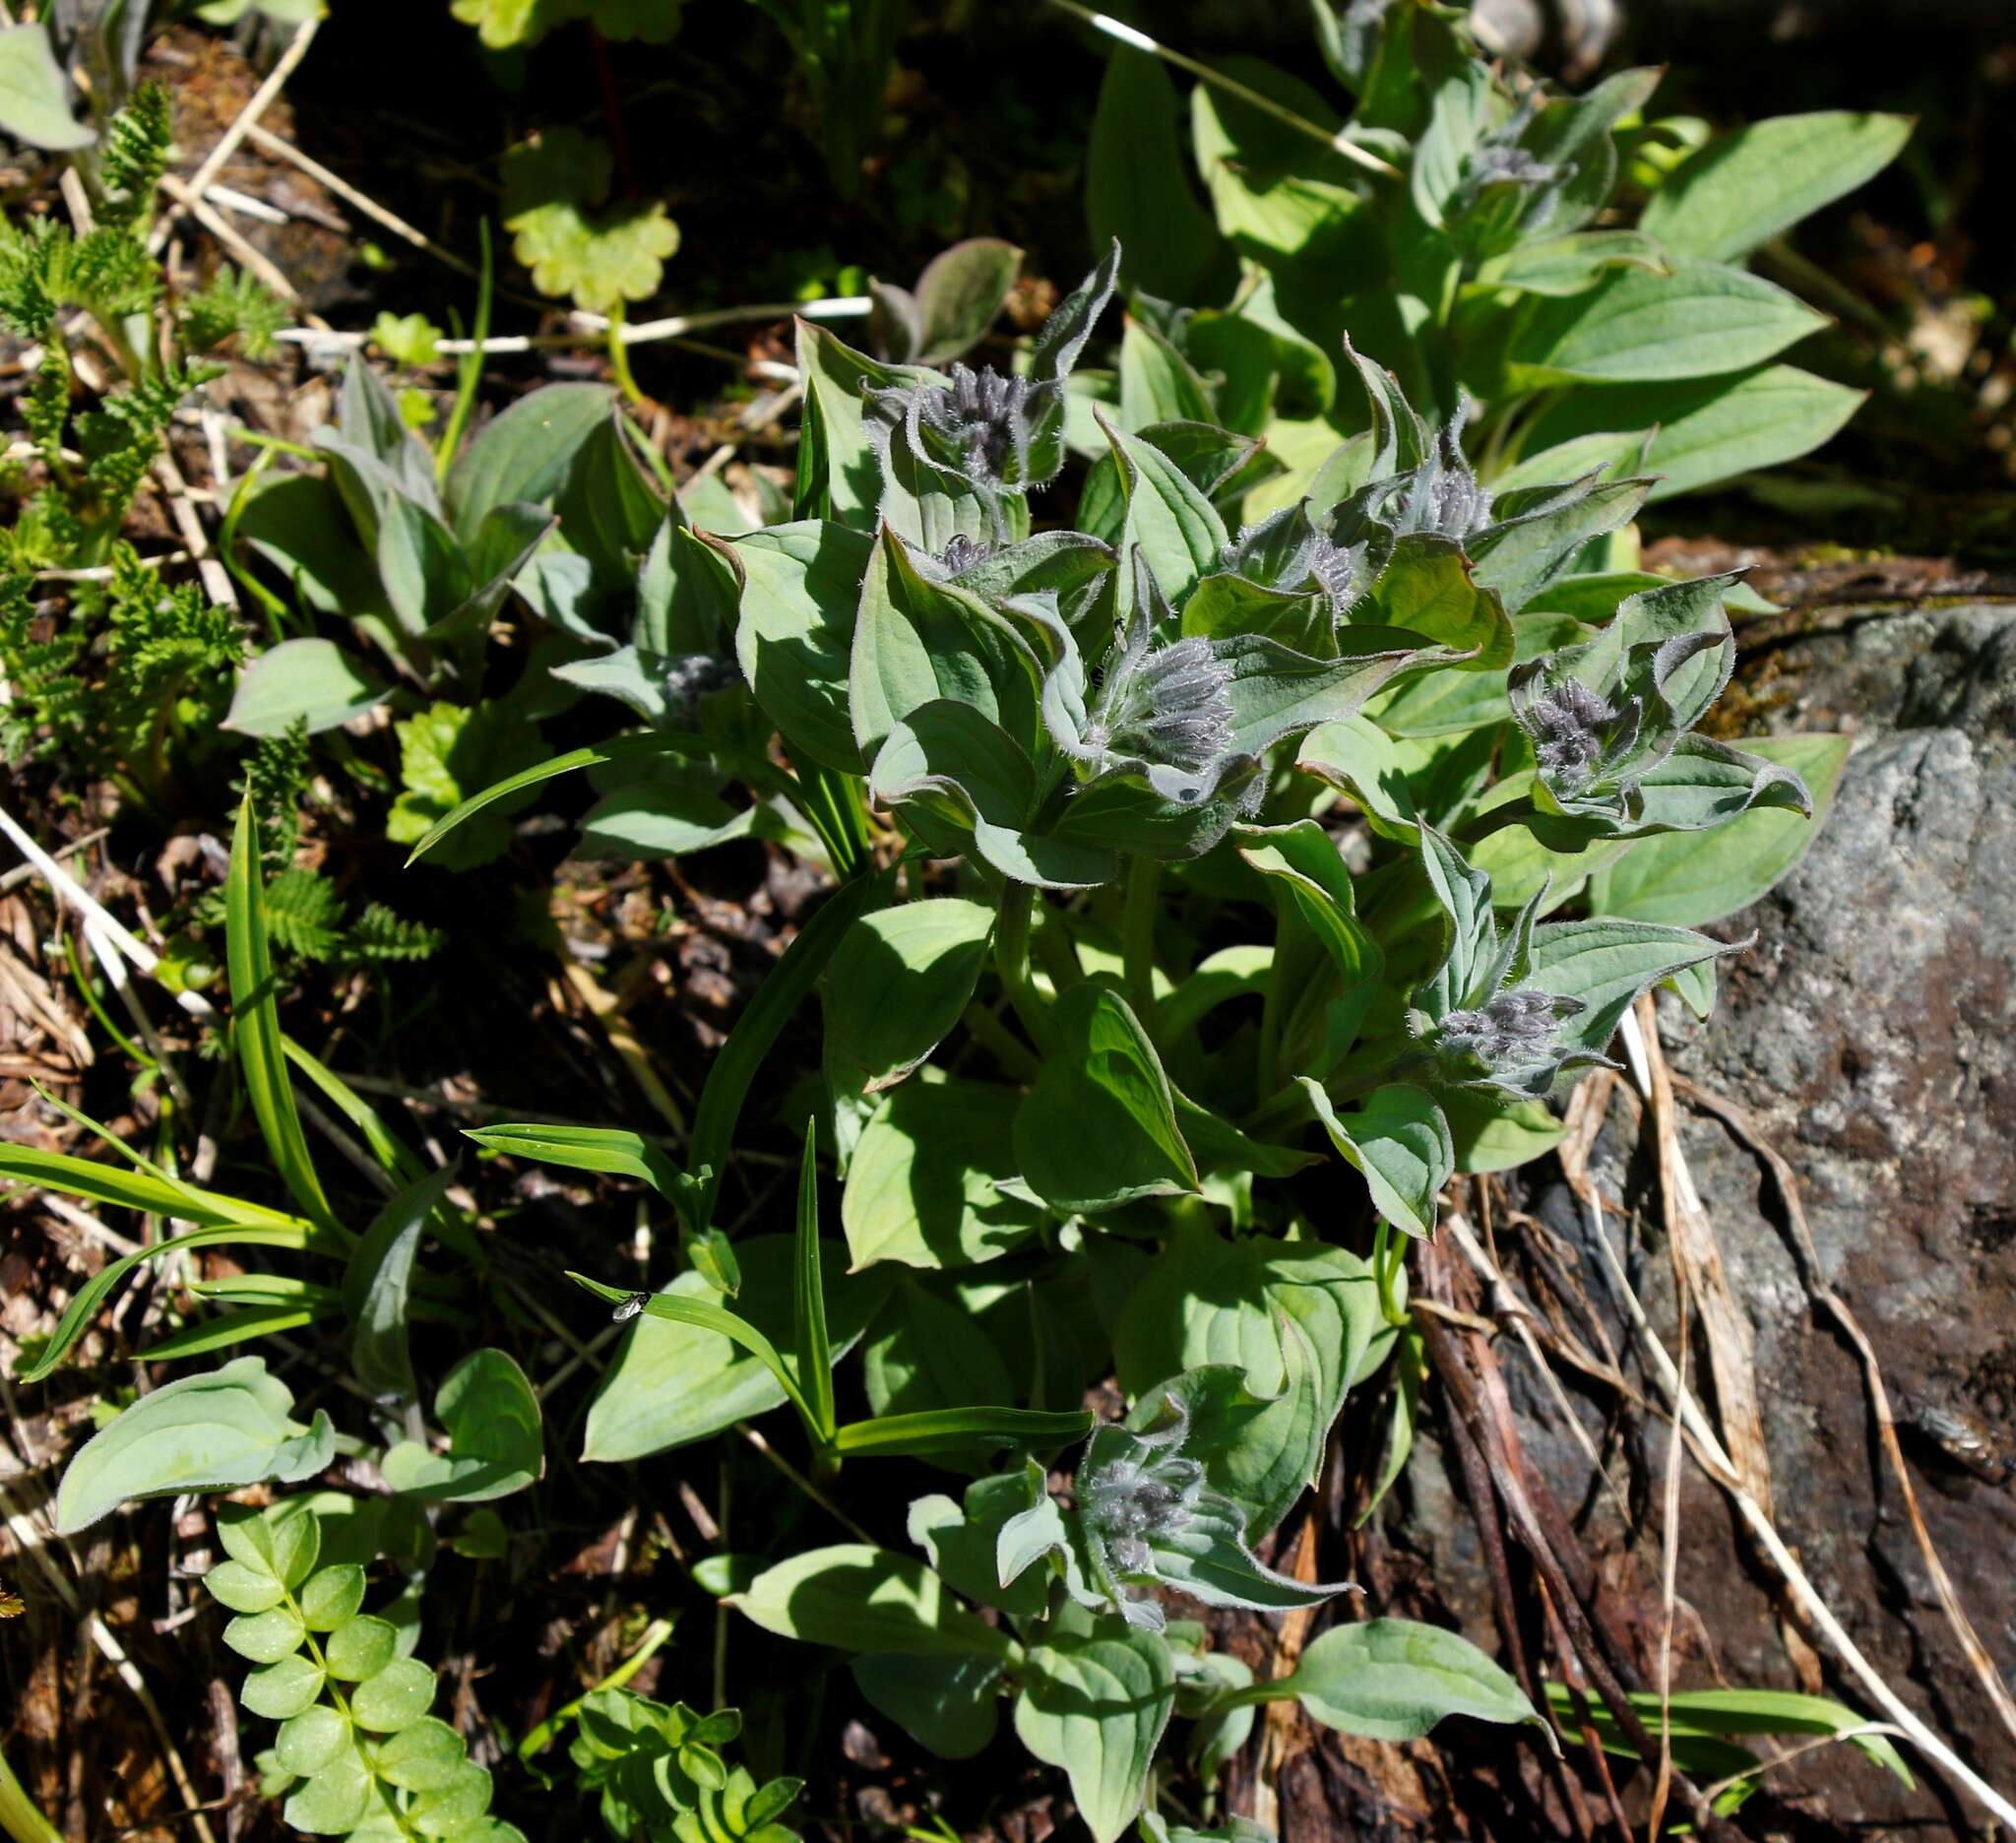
(691, 677)
(1286, 553)
(1442, 495)
(1568, 724)
(1498, 159)
(983, 423)
(1167, 705)
(1515, 1028)
(1152, 1492)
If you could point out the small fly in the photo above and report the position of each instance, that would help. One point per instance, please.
(630, 1307)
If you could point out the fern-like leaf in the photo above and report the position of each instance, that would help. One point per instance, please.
(139, 141)
(378, 936)
(234, 302)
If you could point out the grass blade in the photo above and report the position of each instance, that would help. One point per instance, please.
(960, 1429)
(233, 1327)
(812, 1346)
(585, 1148)
(617, 748)
(151, 1193)
(248, 953)
(84, 1306)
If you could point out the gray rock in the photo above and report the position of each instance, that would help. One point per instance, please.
(1870, 1033)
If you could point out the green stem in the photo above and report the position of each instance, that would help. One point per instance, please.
(619, 356)
(1483, 825)
(1137, 935)
(1010, 962)
(469, 370)
(258, 438)
(540, 1738)
(1388, 1261)
(1007, 1048)
(19, 1816)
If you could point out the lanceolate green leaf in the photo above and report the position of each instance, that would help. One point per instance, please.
(1392, 1680)
(1689, 879)
(587, 1147)
(1740, 190)
(204, 1432)
(1637, 327)
(255, 1000)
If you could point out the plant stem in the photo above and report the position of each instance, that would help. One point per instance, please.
(540, 1738)
(619, 356)
(1011, 961)
(1137, 935)
(1387, 1262)
(1007, 1048)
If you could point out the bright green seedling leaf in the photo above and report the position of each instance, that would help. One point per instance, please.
(1099, 1126)
(395, 1697)
(311, 1740)
(495, 1444)
(266, 1637)
(1096, 1705)
(855, 1598)
(204, 1432)
(280, 1691)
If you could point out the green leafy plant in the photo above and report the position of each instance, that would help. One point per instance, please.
(1582, 268)
(658, 1772)
(1117, 754)
(357, 1755)
(129, 684)
(92, 468)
